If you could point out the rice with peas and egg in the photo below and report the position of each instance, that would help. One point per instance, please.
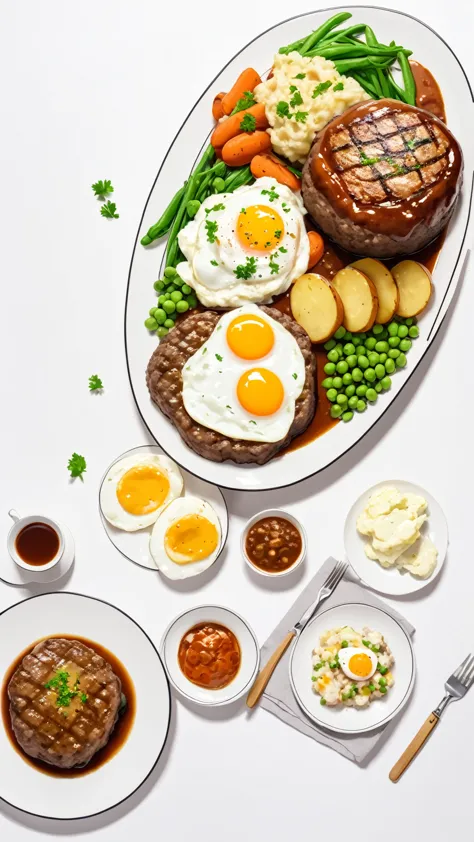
(330, 678)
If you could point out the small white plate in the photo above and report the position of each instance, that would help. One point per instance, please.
(135, 545)
(391, 581)
(350, 720)
(52, 614)
(14, 575)
(249, 649)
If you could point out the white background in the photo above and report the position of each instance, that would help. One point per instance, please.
(97, 89)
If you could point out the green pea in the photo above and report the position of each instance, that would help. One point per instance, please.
(335, 411)
(378, 387)
(357, 375)
(218, 184)
(362, 336)
(182, 306)
(330, 344)
(333, 356)
(390, 366)
(176, 296)
(167, 296)
(371, 395)
(341, 400)
(329, 368)
(160, 315)
(348, 336)
(340, 332)
(363, 362)
(386, 383)
(356, 340)
(361, 390)
(347, 416)
(170, 288)
(401, 361)
(151, 323)
(381, 346)
(192, 301)
(327, 383)
(161, 298)
(158, 286)
(342, 367)
(360, 350)
(332, 395)
(192, 207)
(377, 329)
(347, 379)
(370, 343)
(350, 390)
(405, 345)
(383, 358)
(394, 341)
(373, 358)
(361, 406)
(351, 360)
(170, 272)
(322, 702)
(402, 331)
(410, 321)
(162, 331)
(353, 401)
(178, 282)
(337, 382)
(393, 353)
(383, 335)
(169, 323)
(151, 311)
(186, 289)
(338, 348)
(169, 306)
(349, 348)
(393, 329)
(414, 332)
(369, 375)
(379, 371)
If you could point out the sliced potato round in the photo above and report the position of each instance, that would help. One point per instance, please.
(359, 298)
(414, 286)
(387, 290)
(316, 306)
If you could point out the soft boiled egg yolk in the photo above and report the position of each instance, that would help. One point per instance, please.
(361, 665)
(259, 228)
(142, 489)
(250, 337)
(191, 538)
(260, 391)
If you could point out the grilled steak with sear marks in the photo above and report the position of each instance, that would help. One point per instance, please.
(383, 178)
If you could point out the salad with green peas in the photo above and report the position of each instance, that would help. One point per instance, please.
(359, 366)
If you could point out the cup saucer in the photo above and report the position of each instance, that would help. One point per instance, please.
(11, 574)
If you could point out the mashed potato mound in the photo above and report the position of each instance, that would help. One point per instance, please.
(303, 95)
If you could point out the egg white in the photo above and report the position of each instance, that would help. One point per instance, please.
(211, 375)
(346, 654)
(210, 266)
(109, 502)
(175, 511)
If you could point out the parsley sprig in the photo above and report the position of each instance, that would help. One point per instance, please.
(109, 210)
(95, 383)
(246, 101)
(77, 466)
(320, 89)
(64, 693)
(102, 188)
(248, 123)
(245, 271)
(211, 230)
(272, 194)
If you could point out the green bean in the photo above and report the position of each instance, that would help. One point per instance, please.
(408, 78)
(172, 249)
(383, 81)
(294, 46)
(370, 36)
(323, 30)
(368, 88)
(360, 63)
(160, 228)
(352, 50)
(342, 33)
(397, 90)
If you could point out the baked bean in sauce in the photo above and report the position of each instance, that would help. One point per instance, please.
(273, 544)
(209, 655)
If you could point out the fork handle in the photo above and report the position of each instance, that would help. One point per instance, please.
(266, 673)
(416, 744)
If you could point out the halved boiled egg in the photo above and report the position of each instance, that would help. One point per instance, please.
(357, 663)
(186, 538)
(136, 489)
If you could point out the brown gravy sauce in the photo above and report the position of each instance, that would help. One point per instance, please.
(119, 735)
(428, 94)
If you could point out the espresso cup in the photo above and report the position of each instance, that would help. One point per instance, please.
(19, 524)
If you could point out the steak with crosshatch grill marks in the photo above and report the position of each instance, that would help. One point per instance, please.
(69, 736)
(383, 178)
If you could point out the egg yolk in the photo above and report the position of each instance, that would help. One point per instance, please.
(360, 664)
(260, 391)
(250, 337)
(259, 228)
(142, 489)
(191, 538)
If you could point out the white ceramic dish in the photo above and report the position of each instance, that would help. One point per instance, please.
(274, 513)
(249, 648)
(430, 49)
(349, 720)
(135, 545)
(52, 614)
(13, 574)
(391, 581)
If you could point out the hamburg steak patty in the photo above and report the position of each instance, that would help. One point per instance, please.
(164, 382)
(70, 735)
(383, 178)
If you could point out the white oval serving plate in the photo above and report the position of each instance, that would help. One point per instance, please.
(428, 48)
(351, 720)
(53, 614)
(391, 581)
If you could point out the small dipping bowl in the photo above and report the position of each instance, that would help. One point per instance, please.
(21, 523)
(286, 516)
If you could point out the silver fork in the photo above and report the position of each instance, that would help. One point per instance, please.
(456, 688)
(266, 673)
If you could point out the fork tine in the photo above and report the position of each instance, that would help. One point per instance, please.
(470, 676)
(333, 575)
(338, 574)
(468, 672)
(457, 672)
(465, 669)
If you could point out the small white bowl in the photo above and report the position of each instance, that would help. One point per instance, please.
(274, 513)
(249, 650)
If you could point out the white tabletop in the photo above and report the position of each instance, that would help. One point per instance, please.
(98, 89)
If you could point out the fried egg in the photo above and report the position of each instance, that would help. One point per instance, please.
(186, 538)
(245, 246)
(357, 663)
(245, 380)
(137, 488)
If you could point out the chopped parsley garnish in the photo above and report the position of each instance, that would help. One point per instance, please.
(204, 350)
(245, 271)
(294, 375)
(248, 123)
(246, 101)
(320, 89)
(95, 383)
(300, 116)
(272, 194)
(283, 250)
(102, 188)
(83, 698)
(76, 466)
(411, 143)
(214, 263)
(296, 99)
(365, 161)
(300, 76)
(108, 209)
(218, 207)
(285, 207)
(416, 166)
(283, 109)
(243, 210)
(64, 694)
(399, 170)
(211, 230)
(278, 234)
(338, 87)
(252, 422)
(274, 266)
(218, 357)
